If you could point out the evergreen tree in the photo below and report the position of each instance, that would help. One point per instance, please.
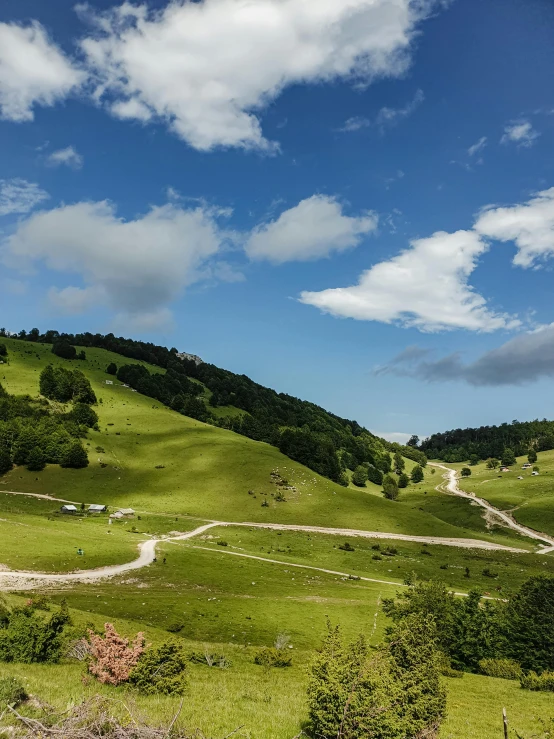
(530, 624)
(398, 463)
(508, 457)
(403, 480)
(75, 456)
(465, 472)
(390, 487)
(417, 474)
(111, 369)
(359, 477)
(474, 459)
(532, 456)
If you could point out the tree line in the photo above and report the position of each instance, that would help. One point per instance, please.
(307, 433)
(35, 432)
(485, 442)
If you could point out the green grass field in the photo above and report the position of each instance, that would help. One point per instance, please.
(531, 500)
(236, 602)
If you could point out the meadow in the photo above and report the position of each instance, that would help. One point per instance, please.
(176, 473)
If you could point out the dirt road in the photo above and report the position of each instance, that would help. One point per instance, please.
(21, 579)
(452, 487)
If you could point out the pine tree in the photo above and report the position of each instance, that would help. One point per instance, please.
(111, 369)
(47, 383)
(417, 473)
(403, 480)
(508, 457)
(398, 463)
(532, 456)
(390, 487)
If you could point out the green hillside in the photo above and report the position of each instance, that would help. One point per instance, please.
(160, 462)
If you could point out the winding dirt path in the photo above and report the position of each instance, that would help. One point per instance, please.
(451, 486)
(22, 579)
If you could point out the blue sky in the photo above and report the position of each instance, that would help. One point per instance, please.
(350, 201)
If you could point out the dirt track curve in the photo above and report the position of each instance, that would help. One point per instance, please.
(451, 486)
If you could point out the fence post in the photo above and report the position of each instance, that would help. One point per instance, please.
(505, 722)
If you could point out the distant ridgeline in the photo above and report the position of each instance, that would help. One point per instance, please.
(459, 445)
(303, 431)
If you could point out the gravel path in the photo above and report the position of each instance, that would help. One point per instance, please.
(452, 487)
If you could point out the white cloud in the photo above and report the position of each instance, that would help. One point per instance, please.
(530, 226)
(208, 68)
(356, 123)
(478, 146)
(33, 71)
(391, 116)
(19, 196)
(69, 157)
(521, 133)
(425, 286)
(400, 437)
(312, 229)
(134, 267)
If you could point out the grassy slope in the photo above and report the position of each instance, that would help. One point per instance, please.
(530, 499)
(207, 471)
(271, 704)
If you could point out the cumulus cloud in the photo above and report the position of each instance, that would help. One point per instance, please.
(135, 267)
(208, 68)
(524, 359)
(391, 116)
(19, 196)
(425, 286)
(530, 225)
(68, 157)
(521, 133)
(33, 71)
(314, 228)
(478, 146)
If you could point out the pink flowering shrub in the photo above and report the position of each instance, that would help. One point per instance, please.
(112, 656)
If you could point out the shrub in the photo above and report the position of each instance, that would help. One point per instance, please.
(160, 671)
(209, 658)
(272, 657)
(532, 681)
(374, 475)
(445, 666)
(222, 543)
(175, 627)
(12, 691)
(112, 656)
(28, 637)
(466, 472)
(62, 348)
(403, 480)
(417, 474)
(346, 547)
(111, 369)
(508, 669)
(84, 415)
(487, 572)
(6, 463)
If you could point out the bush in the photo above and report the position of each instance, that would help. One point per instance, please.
(403, 480)
(532, 681)
(209, 658)
(347, 547)
(84, 415)
(374, 475)
(63, 349)
(466, 472)
(508, 669)
(487, 572)
(28, 637)
(417, 474)
(445, 666)
(6, 463)
(112, 657)
(12, 692)
(175, 627)
(222, 543)
(272, 657)
(160, 670)
(111, 369)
